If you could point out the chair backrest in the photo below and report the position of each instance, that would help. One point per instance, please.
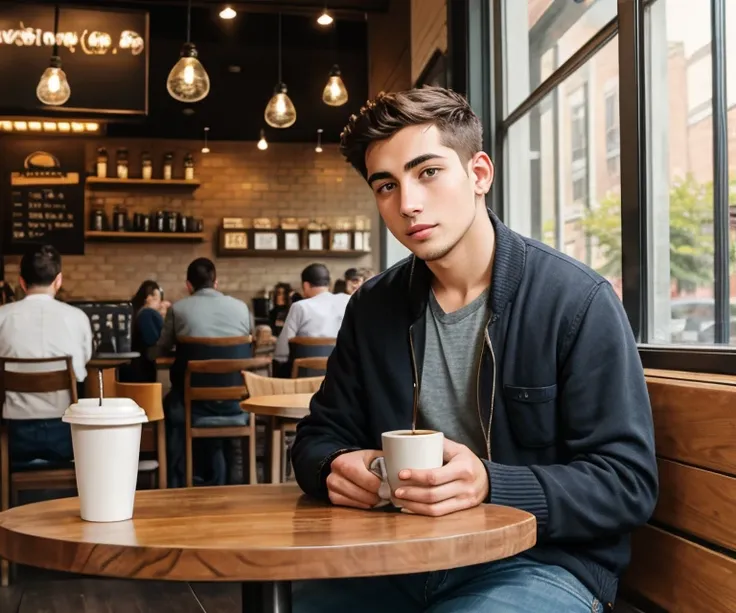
(309, 367)
(269, 386)
(148, 396)
(213, 369)
(196, 349)
(28, 376)
(310, 347)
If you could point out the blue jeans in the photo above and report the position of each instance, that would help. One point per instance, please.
(514, 585)
(40, 439)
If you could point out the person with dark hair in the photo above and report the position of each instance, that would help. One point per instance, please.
(340, 287)
(319, 314)
(355, 277)
(205, 313)
(520, 355)
(38, 326)
(148, 321)
(281, 304)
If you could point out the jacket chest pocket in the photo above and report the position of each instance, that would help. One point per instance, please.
(532, 414)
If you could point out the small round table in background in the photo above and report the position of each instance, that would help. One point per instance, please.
(104, 365)
(280, 409)
(264, 536)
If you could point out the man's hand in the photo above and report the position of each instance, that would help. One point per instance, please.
(462, 483)
(350, 483)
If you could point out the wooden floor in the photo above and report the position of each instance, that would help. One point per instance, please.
(40, 592)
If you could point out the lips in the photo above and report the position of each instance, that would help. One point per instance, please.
(419, 228)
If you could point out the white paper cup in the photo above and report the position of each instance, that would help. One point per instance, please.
(402, 449)
(106, 441)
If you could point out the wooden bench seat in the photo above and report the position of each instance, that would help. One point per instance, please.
(684, 560)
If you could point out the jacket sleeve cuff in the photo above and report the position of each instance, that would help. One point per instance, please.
(518, 487)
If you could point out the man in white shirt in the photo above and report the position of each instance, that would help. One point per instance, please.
(319, 315)
(39, 326)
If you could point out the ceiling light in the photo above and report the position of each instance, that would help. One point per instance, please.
(205, 148)
(48, 126)
(335, 93)
(188, 80)
(227, 13)
(53, 88)
(64, 126)
(77, 127)
(280, 111)
(325, 18)
(91, 127)
(20, 126)
(34, 125)
(318, 148)
(262, 144)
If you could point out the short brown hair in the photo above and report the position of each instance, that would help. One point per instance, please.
(386, 114)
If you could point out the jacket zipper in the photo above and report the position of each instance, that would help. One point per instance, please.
(487, 339)
(415, 408)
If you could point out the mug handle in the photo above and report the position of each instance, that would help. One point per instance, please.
(378, 468)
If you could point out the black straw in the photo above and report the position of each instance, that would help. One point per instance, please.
(279, 47)
(56, 30)
(189, 21)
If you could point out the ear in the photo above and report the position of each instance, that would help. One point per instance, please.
(215, 285)
(57, 282)
(482, 172)
(190, 289)
(23, 285)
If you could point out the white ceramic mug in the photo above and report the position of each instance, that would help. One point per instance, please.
(408, 449)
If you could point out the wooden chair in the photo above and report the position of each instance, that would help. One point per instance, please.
(270, 386)
(212, 373)
(149, 397)
(11, 482)
(309, 347)
(308, 367)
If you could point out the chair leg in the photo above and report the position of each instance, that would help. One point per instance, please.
(284, 455)
(189, 461)
(161, 454)
(276, 455)
(246, 459)
(252, 461)
(4, 572)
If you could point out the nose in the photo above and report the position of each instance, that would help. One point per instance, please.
(411, 203)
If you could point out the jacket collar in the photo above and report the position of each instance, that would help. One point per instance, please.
(508, 269)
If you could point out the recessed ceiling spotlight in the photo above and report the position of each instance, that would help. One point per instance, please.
(227, 13)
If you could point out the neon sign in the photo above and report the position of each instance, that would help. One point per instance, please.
(90, 42)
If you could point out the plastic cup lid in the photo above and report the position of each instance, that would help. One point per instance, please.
(113, 412)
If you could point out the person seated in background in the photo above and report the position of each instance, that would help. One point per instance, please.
(319, 314)
(205, 313)
(6, 292)
(149, 310)
(340, 287)
(281, 305)
(38, 326)
(355, 277)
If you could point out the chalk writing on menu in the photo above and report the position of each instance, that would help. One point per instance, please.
(44, 204)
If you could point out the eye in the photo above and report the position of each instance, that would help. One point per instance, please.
(385, 188)
(429, 172)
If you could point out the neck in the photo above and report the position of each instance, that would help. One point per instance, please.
(41, 291)
(466, 270)
(316, 291)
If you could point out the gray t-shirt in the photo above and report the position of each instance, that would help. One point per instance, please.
(448, 398)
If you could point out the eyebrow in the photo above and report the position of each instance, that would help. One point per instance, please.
(377, 176)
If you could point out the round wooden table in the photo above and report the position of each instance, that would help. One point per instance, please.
(281, 410)
(101, 371)
(264, 536)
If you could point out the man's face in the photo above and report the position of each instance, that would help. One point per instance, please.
(426, 196)
(353, 285)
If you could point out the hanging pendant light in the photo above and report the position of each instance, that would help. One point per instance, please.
(280, 111)
(53, 88)
(335, 93)
(262, 144)
(206, 148)
(325, 18)
(318, 148)
(188, 80)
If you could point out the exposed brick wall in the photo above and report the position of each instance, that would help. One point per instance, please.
(238, 180)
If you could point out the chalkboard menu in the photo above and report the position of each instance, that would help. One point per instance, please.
(43, 203)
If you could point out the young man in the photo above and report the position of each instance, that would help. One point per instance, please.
(522, 356)
(38, 326)
(320, 314)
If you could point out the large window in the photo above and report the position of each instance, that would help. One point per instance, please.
(627, 166)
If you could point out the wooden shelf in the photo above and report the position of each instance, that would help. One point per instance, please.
(92, 235)
(111, 181)
(284, 253)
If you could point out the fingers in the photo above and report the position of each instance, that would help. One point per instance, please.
(342, 489)
(452, 471)
(434, 495)
(450, 449)
(451, 505)
(355, 469)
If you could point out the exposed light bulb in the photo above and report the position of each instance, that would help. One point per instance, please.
(262, 144)
(188, 80)
(280, 111)
(325, 18)
(335, 93)
(228, 13)
(53, 88)
(318, 148)
(206, 148)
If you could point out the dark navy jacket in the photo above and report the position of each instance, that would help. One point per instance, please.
(560, 388)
